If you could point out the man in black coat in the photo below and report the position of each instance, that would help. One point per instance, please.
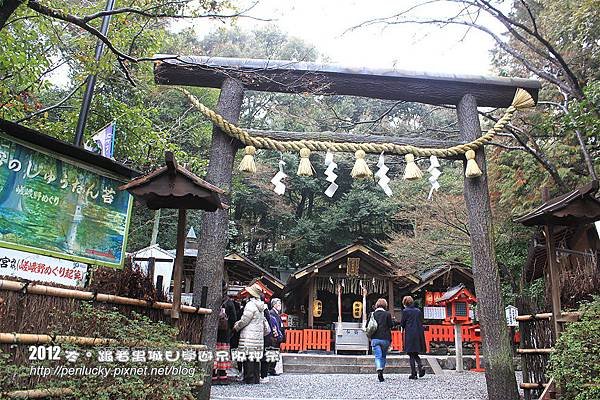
(414, 335)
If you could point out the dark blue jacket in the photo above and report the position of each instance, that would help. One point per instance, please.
(384, 325)
(414, 334)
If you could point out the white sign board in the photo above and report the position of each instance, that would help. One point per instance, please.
(511, 315)
(434, 312)
(36, 267)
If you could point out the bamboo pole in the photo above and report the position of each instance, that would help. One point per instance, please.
(532, 386)
(34, 338)
(38, 393)
(548, 392)
(571, 315)
(533, 317)
(535, 351)
(100, 297)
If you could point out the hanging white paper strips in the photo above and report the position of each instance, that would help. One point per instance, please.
(331, 176)
(277, 179)
(435, 174)
(383, 179)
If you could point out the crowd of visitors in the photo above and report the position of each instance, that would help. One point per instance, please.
(252, 325)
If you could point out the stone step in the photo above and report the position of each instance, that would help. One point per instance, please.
(292, 358)
(344, 369)
(343, 364)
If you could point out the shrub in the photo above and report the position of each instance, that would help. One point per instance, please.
(575, 365)
(131, 332)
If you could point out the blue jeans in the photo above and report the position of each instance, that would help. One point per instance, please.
(380, 348)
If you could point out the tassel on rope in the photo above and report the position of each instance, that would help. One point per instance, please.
(247, 164)
(412, 171)
(305, 168)
(360, 169)
(522, 99)
(472, 170)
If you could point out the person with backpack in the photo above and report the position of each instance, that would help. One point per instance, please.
(379, 330)
(227, 318)
(414, 335)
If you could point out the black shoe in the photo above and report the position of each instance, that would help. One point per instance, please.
(380, 375)
(421, 372)
(412, 376)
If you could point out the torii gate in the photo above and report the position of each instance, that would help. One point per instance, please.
(234, 75)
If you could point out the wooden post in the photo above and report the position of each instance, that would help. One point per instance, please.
(178, 267)
(497, 351)
(391, 297)
(364, 307)
(553, 272)
(208, 274)
(554, 280)
(339, 304)
(458, 346)
(311, 301)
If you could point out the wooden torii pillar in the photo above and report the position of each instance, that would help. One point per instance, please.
(466, 92)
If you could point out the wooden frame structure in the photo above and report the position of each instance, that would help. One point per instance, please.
(576, 208)
(234, 76)
(557, 216)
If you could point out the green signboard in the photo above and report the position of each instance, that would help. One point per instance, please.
(52, 206)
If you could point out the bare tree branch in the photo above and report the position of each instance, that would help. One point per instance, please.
(45, 109)
(149, 14)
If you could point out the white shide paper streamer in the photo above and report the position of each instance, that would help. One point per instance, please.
(435, 174)
(277, 179)
(331, 176)
(383, 179)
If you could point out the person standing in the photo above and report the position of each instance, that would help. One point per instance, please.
(414, 336)
(251, 327)
(382, 338)
(227, 319)
(268, 345)
(278, 330)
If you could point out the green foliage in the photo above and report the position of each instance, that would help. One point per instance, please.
(134, 331)
(575, 365)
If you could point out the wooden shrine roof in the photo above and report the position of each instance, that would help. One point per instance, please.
(241, 268)
(173, 186)
(315, 78)
(378, 265)
(67, 150)
(577, 207)
(435, 273)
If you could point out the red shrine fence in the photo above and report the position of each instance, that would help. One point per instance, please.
(322, 339)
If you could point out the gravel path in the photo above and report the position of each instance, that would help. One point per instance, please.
(451, 385)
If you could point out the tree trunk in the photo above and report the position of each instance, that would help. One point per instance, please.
(7, 7)
(499, 370)
(213, 239)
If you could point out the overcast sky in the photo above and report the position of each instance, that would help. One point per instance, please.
(325, 24)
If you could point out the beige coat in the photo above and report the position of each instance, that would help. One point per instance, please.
(251, 325)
